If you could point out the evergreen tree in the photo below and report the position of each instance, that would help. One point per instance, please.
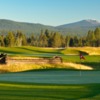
(56, 40)
(2, 41)
(97, 36)
(71, 42)
(32, 39)
(47, 33)
(44, 40)
(10, 39)
(83, 41)
(80, 42)
(97, 33)
(19, 39)
(75, 40)
(93, 39)
(62, 41)
(88, 38)
(40, 42)
(67, 41)
(24, 40)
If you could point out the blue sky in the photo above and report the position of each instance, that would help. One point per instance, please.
(49, 12)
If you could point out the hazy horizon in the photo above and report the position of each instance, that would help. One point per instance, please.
(49, 12)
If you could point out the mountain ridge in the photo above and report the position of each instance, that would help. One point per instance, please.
(75, 28)
(83, 22)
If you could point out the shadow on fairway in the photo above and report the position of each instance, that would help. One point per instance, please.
(94, 65)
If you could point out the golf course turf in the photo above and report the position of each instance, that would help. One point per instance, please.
(52, 84)
(12, 86)
(23, 91)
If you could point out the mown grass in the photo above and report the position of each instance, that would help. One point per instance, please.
(68, 54)
(90, 60)
(23, 91)
(30, 51)
(76, 58)
(94, 65)
(84, 50)
(29, 91)
(64, 51)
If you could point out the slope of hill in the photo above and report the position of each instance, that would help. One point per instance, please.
(79, 28)
(27, 28)
(83, 23)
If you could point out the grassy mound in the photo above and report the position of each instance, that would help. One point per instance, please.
(48, 52)
(69, 55)
(83, 50)
(27, 51)
(22, 91)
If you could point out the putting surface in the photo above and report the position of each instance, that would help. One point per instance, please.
(50, 85)
(53, 77)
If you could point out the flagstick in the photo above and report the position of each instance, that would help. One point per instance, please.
(80, 68)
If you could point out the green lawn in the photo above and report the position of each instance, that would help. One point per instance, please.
(69, 54)
(22, 91)
(76, 58)
(32, 91)
(30, 51)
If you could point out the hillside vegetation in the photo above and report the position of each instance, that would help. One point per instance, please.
(77, 28)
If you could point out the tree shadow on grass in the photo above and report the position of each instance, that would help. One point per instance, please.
(94, 65)
(39, 51)
(93, 90)
(11, 52)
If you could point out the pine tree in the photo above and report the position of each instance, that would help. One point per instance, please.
(44, 40)
(10, 39)
(67, 41)
(93, 39)
(56, 40)
(32, 39)
(88, 38)
(97, 36)
(71, 42)
(24, 40)
(19, 39)
(80, 42)
(47, 33)
(75, 40)
(97, 33)
(40, 41)
(2, 41)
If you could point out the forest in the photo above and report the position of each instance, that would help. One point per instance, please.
(47, 38)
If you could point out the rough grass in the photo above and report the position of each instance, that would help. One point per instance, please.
(76, 58)
(69, 55)
(32, 50)
(84, 50)
(48, 52)
(22, 91)
(27, 51)
(12, 66)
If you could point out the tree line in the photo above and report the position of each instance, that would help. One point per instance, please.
(50, 39)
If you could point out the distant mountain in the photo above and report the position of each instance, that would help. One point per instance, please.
(79, 28)
(28, 28)
(83, 23)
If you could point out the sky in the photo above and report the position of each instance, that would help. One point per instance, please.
(49, 12)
